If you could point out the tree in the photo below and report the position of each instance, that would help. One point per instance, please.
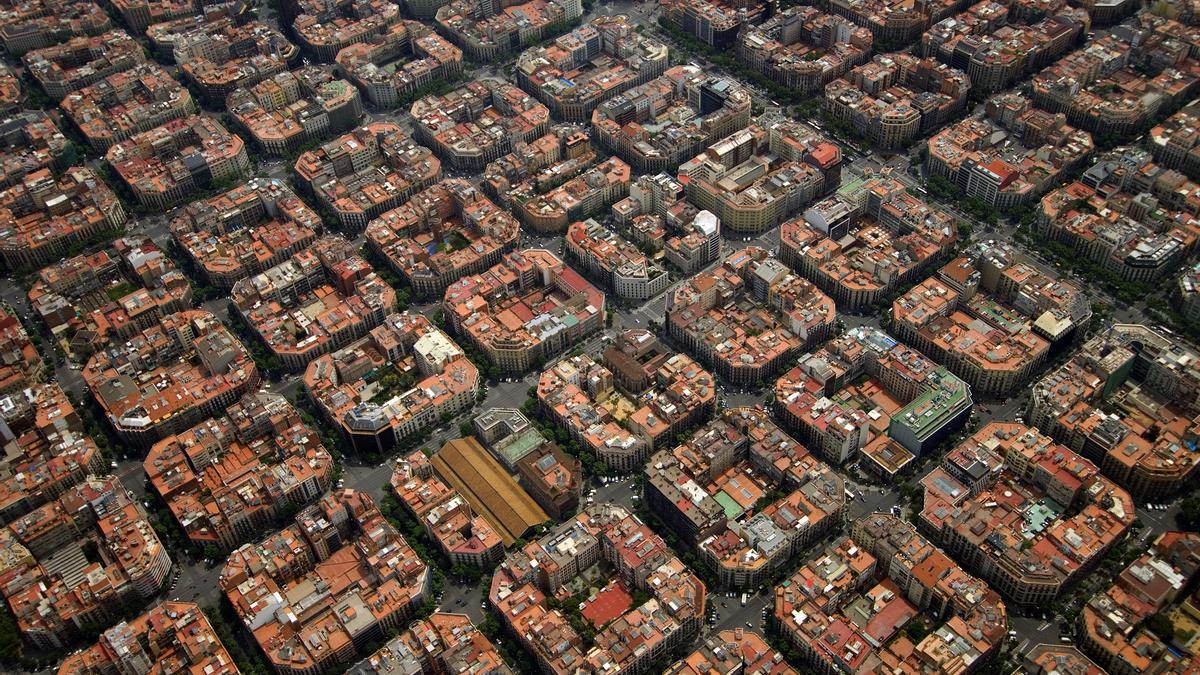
(10, 642)
(1161, 625)
(941, 188)
(1189, 512)
(916, 629)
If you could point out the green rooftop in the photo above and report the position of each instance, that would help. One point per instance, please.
(513, 448)
(852, 186)
(728, 504)
(935, 406)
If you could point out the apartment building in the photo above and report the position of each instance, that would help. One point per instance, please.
(48, 451)
(405, 376)
(10, 90)
(286, 111)
(488, 31)
(317, 592)
(362, 174)
(840, 245)
(45, 216)
(442, 234)
(732, 651)
(167, 164)
(479, 122)
(171, 632)
(943, 37)
(749, 316)
(222, 55)
(803, 48)
(29, 141)
(580, 197)
(633, 637)
(535, 166)
(619, 265)
(648, 128)
(1060, 309)
(846, 609)
(197, 369)
(139, 14)
(1040, 520)
(524, 310)
(164, 35)
(896, 97)
(592, 63)
(241, 232)
(466, 538)
(1188, 292)
(229, 477)
(43, 23)
(696, 245)
(757, 177)
(991, 346)
(127, 103)
(658, 217)
(1113, 626)
(1011, 157)
(710, 490)
(1174, 142)
(443, 643)
(90, 300)
(864, 386)
(995, 60)
(318, 301)
(325, 27)
(553, 478)
(1123, 401)
(622, 419)
(54, 588)
(892, 23)
(1099, 90)
(82, 61)
(400, 62)
(714, 22)
(20, 363)
(1127, 214)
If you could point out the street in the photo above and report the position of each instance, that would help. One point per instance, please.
(197, 580)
